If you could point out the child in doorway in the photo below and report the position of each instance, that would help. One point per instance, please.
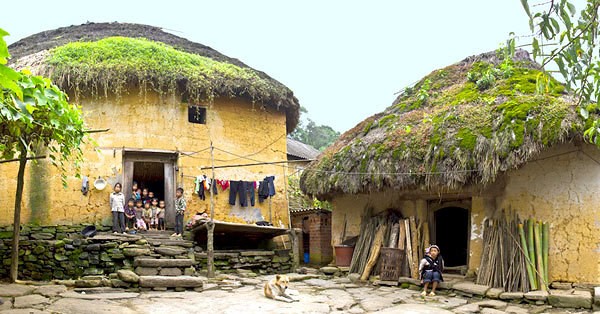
(117, 207)
(145, 197)
(139, 213)
(161, 215)
(134, 191)
(130, 214)
(147, 215)
(151, 196)
(430, 268)
(154, 214)
(180, 207)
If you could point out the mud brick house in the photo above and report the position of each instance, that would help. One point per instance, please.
(162, 100)
(463, 144)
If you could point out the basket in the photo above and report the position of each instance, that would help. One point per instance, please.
(391, 263)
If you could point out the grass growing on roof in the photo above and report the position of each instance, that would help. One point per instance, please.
(458, 126)
(111, 64)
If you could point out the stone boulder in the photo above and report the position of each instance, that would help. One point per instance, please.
(328, 270)
(571, 299)
(537, 295)
(128, 276)
(171, 282)
(471, 288)
(31, 300)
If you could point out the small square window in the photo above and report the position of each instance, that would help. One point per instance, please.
(197, 114)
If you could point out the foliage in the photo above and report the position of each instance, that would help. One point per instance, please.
(43, 117)
(318, 136)
(567, 38)
(298, 198)
(34, 114)
(8, 76)
(110, 64)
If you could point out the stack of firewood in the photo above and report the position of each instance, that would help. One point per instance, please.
(387, 229)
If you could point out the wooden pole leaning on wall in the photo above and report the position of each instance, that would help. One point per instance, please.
(210, 241)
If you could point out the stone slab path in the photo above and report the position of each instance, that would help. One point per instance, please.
(241, 295)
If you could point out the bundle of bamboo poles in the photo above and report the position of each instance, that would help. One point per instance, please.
(535, 249)
(503, 263)
(515, 255)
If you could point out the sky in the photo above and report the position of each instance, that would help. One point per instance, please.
(344, 60)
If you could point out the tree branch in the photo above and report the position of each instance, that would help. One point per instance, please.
(17, 159)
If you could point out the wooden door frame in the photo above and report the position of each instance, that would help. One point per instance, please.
(434, 206)
(169, 160)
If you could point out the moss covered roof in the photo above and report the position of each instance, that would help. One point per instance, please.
(102, 58)
(458, 126)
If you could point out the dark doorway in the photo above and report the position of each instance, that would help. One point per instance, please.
(155, 171)
(452, 235)
(305, 240)
(150, 175)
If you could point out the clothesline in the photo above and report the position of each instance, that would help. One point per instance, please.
(283, 165)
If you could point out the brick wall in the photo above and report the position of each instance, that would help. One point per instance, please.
(318, 227)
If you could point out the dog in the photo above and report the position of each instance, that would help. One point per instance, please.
(277, 289)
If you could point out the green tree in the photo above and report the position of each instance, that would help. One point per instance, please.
(566, 38)
(34, 114)
(318, 136)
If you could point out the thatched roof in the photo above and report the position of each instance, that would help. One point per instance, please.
(459, 126)
(99, 58)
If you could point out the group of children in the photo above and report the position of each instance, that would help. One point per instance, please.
(143, 211)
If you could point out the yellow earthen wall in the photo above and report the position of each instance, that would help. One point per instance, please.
(155, 123)
(561, 188)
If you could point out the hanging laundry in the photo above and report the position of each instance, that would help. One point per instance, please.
(213, 185)
(250, 188)
(234, 190)
(224, 184)
(241, 190)
(266, 188)
(199, 187)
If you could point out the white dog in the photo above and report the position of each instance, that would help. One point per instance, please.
(277, 289)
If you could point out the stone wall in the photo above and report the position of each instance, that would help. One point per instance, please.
(259, 262)
(60, 252)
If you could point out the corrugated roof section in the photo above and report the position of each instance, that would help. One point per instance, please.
(300, 150)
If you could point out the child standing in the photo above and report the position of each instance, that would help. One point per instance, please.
(117, 207)
(161, 215)
(130, 214)
(154, 214)
(180, 206)
(139, 213)
(430, 268)
(147, 215)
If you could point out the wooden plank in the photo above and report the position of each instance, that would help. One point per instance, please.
(409, 250)
(426, 241)
(169, 173)
(415, 254)
(402, 236)
(127, 178)
(375, 249)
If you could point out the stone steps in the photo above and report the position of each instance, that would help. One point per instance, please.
(171, 282)
(169, 242)
(163, 263)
